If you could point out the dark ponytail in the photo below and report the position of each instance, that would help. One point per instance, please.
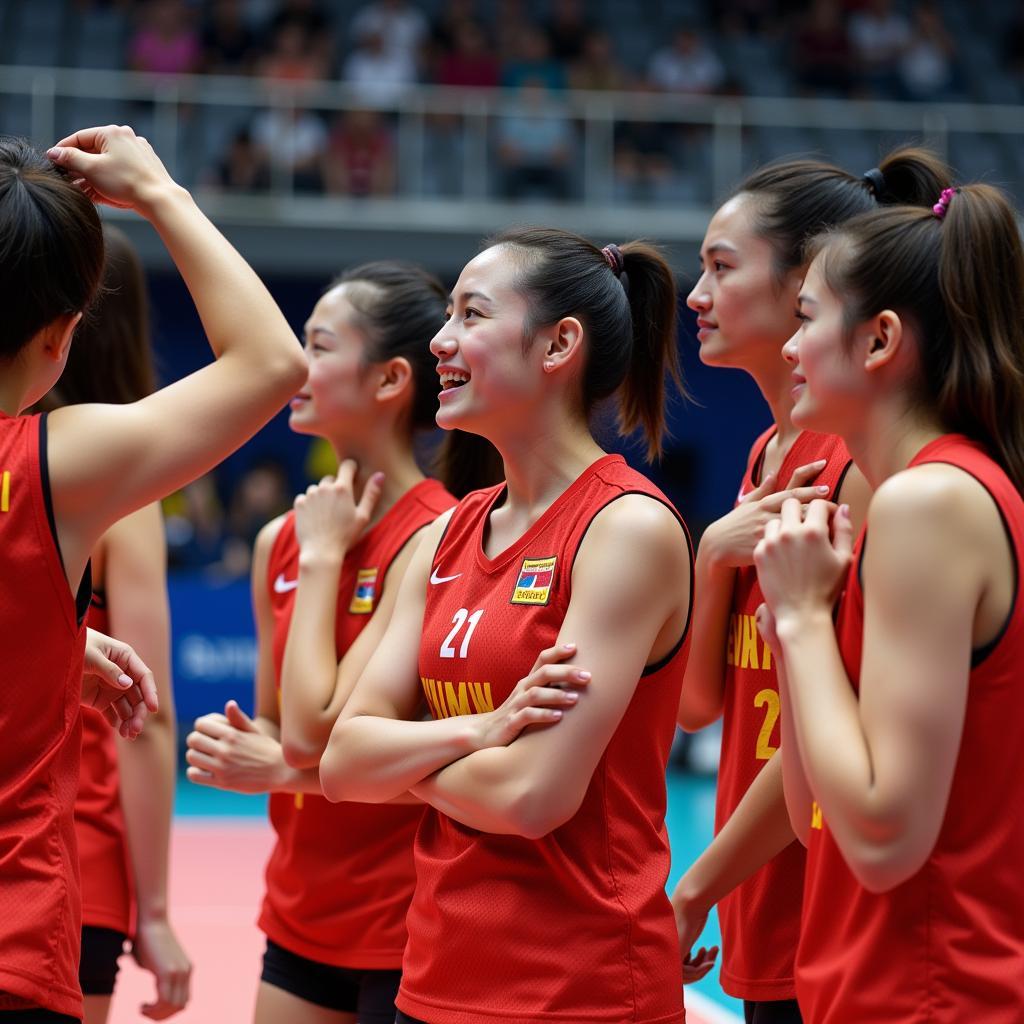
(796, 200)
(51, 245)
(111, 360)
(958, 279)
(399, 307)
(625, 297)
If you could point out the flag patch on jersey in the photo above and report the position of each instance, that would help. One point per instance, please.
(536, 578)
(362, 596)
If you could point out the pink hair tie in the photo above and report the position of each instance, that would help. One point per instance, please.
(614, 258)
(939, 209)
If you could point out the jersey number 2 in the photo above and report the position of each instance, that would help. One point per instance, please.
(460, 619)
(769, 700)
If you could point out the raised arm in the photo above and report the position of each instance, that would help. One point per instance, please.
(107, 461)
(881, 767)
(135, 580)
(630, 602)
(328, 521)
(727, 545)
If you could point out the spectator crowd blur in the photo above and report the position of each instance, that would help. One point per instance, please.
(535, 50)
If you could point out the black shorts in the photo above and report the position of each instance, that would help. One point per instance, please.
(771, 1011)
(368, 994)
(39, 1016)
(404, 1018)
(97, 970)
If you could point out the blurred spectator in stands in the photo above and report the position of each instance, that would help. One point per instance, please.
(166, 41)
(293, 143)
(379, 74)
(822, 56)
(508, 19)
(532, 61)
(260, 495)
(644, 170)
(293, 57)
(308, 15)
(470, 62)
(194, 520)
(688, 65)
(748, 17)
(534, 145)
(597, 67)
(360, 155)
(879, 35)
(927, 66)
(567, 28)
(402, 28)
(1013, 44)
(445, 25)
(243, 168)
(229, 44)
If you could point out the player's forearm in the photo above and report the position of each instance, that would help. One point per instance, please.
(758, 830)
(374, 760)
(310, 666)
(147, 776)
(826, 719)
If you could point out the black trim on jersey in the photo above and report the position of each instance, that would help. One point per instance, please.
(84, 595)
(758, 464)
(661, 662)
(978, 654)
(99, 599)
(842, 479)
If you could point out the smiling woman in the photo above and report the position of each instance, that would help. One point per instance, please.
(545, 779)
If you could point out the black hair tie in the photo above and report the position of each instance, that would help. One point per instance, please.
(875, 181)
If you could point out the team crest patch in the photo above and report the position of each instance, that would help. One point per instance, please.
(536, 579)
(362, 596)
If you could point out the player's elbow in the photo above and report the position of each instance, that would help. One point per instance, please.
(881, 867)
(692, 717)
(298, 752)
(536, 811)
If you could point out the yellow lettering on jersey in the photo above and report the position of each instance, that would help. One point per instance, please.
(5, 492)
(446, 698)
(815, 815)
(743, 642)
(458, 699)
(430, 692)
(299, 801)
(748, 656)
(481, 696)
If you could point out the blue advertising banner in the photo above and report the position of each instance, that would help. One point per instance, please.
(213, 646)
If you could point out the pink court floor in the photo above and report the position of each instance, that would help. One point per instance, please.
(217, 867)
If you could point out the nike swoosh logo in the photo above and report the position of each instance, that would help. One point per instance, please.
(282, 586)
(435, 579)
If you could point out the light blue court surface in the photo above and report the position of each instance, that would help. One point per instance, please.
(691, 813)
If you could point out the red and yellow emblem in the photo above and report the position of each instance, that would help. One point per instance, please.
(536, 578)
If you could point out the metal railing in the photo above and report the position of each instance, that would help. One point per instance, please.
(716, 138)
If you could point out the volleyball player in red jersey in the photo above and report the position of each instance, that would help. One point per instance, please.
(753, 258)
(340, 877)
(542, 858)
(123, 817)
(904, 718)
(67, 477)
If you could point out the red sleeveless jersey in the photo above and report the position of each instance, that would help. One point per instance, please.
(760, 919)
(574, 927)
(40, 736)
(340, 877)
(107, 886)
(946, 946)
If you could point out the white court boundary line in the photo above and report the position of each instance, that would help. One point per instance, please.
(709, 1011)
